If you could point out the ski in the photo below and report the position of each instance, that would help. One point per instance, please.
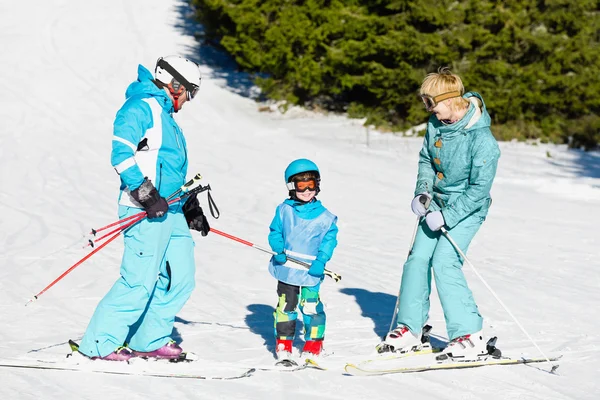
(310, 363)
(279, 366)
(353, 369)
(286, 363)
(396, 356)
(88, 368)
(183, 357)
(140, 366)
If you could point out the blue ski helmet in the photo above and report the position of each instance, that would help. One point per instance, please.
(299, 166)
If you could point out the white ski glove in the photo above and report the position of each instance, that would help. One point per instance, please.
(420, 204)
(435, 220)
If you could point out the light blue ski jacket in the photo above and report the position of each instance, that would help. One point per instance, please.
(147, 142)
(457, 163)
(305, 232)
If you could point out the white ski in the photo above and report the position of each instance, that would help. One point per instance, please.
(365, 371)
(118, 368)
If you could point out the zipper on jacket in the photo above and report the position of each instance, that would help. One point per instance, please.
(159, 177)
(184, 149)
(177, 137)
(177, 134)
(184, 159)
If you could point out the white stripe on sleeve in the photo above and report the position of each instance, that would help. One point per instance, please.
(124, 165)
(125, 142)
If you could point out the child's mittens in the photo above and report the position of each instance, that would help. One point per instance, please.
(317, 268)
(280, 258)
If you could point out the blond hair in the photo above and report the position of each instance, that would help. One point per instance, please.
(444, 81)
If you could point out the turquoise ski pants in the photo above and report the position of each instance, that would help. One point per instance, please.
(432, 251)
(157, 278)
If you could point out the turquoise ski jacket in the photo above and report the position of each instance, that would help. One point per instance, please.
(147, 142)
(305, 232)
(457, 163)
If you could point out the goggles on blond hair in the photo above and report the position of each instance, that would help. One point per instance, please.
(432, 101)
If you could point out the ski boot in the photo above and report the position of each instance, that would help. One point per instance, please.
(471, 347)
(121, 353)
(401, 341)
(283, 350)
(312, 348)
(170, 350)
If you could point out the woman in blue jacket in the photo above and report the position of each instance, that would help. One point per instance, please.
(457, 165)
(304, 230)
(157, 271)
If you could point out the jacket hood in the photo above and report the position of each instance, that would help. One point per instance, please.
(145, 87)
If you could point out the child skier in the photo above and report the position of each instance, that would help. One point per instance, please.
(305, 230)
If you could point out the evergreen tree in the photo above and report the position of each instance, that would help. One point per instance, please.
(536, 62)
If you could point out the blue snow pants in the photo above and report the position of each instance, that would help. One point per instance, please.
(432, 251)
(157, 278)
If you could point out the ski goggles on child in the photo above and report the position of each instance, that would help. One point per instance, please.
(432, 101)
(303, 186)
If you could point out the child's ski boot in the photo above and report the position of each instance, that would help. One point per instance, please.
(312, 348)
(283, 349)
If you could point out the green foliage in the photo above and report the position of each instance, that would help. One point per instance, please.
(536, 62)
(585, 132)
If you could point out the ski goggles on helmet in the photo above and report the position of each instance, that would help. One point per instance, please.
(192, 93)
(178, 79)
(432, 101)
(303, 186)
(176, 89)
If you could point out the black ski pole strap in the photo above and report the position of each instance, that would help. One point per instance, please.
(196, 190)
(212, 203)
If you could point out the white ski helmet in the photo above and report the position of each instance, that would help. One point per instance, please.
(178, 70)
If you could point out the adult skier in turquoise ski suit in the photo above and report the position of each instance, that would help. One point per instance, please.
(304, 230)
(457, 165)
(157, 271)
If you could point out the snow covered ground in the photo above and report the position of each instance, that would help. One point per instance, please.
(65, 68)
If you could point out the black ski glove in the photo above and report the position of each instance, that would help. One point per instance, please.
(148, 197)
(194, 216)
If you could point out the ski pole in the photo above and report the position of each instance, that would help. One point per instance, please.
(77, 264)
(187, 188)
(412, 242)
(189, 185)
(331, 274)
(121, 228)
(142, 214)
(445, 232)
(426, 201)
(137, 217)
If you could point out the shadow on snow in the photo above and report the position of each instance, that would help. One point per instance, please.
(223, 66)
